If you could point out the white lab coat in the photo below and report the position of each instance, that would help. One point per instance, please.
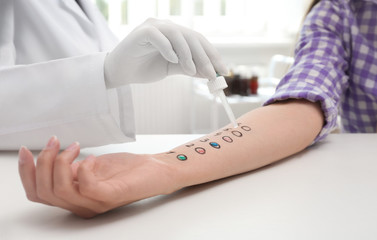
(51, 76)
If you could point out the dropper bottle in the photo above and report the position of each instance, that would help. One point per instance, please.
(216, 88)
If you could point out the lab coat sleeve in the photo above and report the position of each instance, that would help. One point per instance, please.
(65, 97)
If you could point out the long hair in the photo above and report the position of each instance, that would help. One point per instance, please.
(312, 4)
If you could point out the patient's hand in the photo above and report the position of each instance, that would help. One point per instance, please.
(94, 185)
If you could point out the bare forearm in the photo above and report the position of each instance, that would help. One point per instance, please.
(265, 135)
(101, 183)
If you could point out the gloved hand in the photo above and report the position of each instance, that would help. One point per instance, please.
(157, 49)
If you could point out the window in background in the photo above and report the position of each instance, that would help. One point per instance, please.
(214, 18)
(223, 8)
(175, 7)
(103, 7)
(124, 13)
(198, 7)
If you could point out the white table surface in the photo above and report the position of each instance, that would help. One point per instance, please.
(329, 191)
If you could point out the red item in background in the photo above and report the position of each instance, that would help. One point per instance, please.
(254, 85)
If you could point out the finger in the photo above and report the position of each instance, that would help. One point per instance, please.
(88, 183)
(44, 183)
(181, 47)
(202, 62)
(63, 175)
(64, 187)
(161, 43)
(74, 167)
(44, 169)
(213, 55)
(26, 169)
(86, 177)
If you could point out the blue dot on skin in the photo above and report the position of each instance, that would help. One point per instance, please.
(214, 144)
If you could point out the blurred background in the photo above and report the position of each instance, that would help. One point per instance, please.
(255, 38)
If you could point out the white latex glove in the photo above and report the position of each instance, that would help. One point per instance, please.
(159, 48)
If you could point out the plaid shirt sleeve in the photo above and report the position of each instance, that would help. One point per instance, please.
(321, 62)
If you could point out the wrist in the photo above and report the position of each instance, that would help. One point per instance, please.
(172, 169)
(185, 169)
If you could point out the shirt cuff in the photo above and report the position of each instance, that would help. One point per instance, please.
(313, 94)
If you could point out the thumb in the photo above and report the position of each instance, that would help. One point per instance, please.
(92, 187)
(86, 178)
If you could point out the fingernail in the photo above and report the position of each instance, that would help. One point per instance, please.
(73, 146)
(22, 154)
(52, 142)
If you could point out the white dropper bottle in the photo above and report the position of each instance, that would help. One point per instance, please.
(216, 88)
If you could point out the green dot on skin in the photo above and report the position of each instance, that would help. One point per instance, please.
(182, 157)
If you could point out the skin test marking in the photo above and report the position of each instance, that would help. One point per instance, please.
(182, 157)
(237, 133)
(246, 128)
(204, 140)
(227, 139)
(214, 145)
(170, 152)
(190, 145)
(226, 129)
(200, 150)
(219, 133)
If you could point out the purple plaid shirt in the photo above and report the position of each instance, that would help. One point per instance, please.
(336, 64)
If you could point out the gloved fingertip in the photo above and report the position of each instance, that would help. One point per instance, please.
(210, 72)
(173, 58)
(190, 67)
(211, 77)
(223, 70)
